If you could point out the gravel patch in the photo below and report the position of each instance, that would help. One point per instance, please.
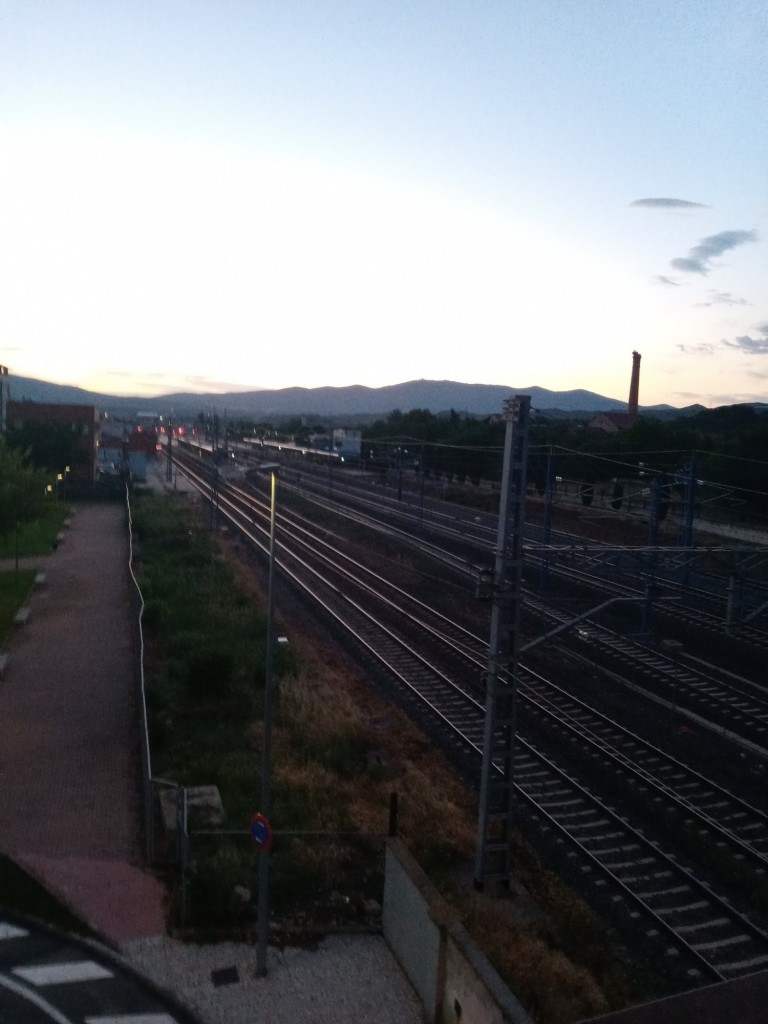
(343, 980)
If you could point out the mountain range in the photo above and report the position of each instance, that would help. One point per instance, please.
(355, 402)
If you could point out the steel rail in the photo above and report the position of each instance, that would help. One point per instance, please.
(360, 635)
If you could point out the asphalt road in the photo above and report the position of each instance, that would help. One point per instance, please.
(49, 977)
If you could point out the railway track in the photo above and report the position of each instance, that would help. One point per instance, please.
(702, 601)
(726, 700)
(703, 597)
(695, 608)
(435, 664)
(725, 703)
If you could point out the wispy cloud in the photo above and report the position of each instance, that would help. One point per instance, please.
(162, 383)
(735, 399)
(749, 345)
(669, 204)
(703, 349)
(663, 279)
(723, 299)
(700, 256)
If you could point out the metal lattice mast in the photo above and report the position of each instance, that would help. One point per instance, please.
(496, 802)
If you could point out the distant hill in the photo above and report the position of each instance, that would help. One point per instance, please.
(27, 389)
(356, 401)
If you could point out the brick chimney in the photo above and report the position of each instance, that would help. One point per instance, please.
(634, 386)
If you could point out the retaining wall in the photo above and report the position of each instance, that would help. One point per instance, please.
(453, 979)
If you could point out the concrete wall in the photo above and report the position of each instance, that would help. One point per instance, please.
(412, 925)
(453, 979)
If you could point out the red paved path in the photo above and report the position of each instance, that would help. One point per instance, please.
(69, 769)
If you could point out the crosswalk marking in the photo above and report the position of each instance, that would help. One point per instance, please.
(62, 974)
(32, 997)
(133, 1018)
(18, 979)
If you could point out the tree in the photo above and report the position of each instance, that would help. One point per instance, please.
(46, 445)
(22, 490)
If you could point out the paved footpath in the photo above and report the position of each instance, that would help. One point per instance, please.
(69, 773)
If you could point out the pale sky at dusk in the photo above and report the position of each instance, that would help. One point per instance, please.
(262, 194)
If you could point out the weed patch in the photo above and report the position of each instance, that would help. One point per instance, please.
(14, 590)
(34, 536)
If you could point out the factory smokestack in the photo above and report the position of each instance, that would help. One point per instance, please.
(634, 385)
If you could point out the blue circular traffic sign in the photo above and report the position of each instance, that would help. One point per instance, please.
(261, 832)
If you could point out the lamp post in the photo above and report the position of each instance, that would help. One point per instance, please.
(262, 936)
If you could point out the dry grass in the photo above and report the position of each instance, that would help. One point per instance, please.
(551, 986)
(344, 746)
(340, 749)
(558, 965)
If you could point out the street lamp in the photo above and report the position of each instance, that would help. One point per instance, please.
(262, 937)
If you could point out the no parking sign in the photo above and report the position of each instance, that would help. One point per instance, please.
(261, 832)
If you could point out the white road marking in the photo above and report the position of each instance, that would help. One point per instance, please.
(35, 999)
(11, 931)
(133, 1018)
(58, 974)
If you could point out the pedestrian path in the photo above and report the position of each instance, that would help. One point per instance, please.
(69, 771)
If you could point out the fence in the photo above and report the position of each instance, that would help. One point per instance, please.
(453, 979)
(318, 880)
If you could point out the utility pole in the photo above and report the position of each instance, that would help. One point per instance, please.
(549, 500)
(215, 474)
(689, 513)
(496, 801)
(169, 453)
(262, 938)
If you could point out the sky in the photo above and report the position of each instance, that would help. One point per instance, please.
(250, 194)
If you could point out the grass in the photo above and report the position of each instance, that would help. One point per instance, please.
(205, 702)
(14, 590)
(208, 650)
(35, 536)
(339, 750)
